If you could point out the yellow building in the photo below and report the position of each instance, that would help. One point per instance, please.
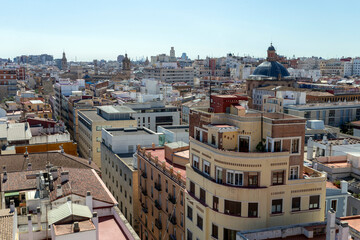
(37, 108)
(91, 122)
(246, 172)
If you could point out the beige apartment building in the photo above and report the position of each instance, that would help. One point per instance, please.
(119, 167)
(92, 121)
(246, 172)
(171, 75)
(162, 180)
(332, 67)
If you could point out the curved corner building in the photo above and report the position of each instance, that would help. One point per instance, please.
(246, 172)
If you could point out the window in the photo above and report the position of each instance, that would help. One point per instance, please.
(253, 180)
(125, 176)
(276, 206)
(244, 144)
(130, 182)
(202, 195)
(199, 222)
(181, 219)
(253, 210)
(151, 174)
(189, 235)
(278, 177)
(192, 188)
(314, 202)
(206, 167)
(295, 145)
(120, 172)
(98, 128)
(181, 198)
(195, 161)
(125, 194)
(232, 208)
(121, 188)
(277, 146)
(166, 186)
(116, 167)
(130, 199)
(294, 172)
(295, 205)
(215, 203)
(214, 231)
(234, 178)
(189, 213)
(334, 204)
(218, 175)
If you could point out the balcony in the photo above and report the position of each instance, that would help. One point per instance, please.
(158, 186)
(158, 223)
(157, 204)
(144, 191)
(144, 208)
(172, 237)
(172, 219)
(172, 199)
(143, 174)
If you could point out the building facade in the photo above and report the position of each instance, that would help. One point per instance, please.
(246, 172)
(92, 121)
(162, 191)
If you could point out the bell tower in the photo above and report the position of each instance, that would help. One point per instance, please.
(271, 54)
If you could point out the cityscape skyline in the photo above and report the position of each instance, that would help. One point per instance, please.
(200, 28)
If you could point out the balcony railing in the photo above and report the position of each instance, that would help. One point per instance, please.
(144, 191)
(172, 219)
(158, 186)
(144, 208)
(157, 204)
(158, 223)
(172, 198)
(143, 174)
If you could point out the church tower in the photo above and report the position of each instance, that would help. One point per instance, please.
(63, 62)
(126, 63)
(271, 54)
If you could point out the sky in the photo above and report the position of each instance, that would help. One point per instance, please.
(95, 29)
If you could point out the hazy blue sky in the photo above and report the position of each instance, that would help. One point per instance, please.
(103, 29)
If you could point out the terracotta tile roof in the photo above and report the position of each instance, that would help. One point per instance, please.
(6, 224)
(81, 181)
(18, 181)
(18, 163)
(63, 229)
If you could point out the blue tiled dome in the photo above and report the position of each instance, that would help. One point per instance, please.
(271, 69)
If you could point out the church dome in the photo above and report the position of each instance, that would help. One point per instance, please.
(271, 69)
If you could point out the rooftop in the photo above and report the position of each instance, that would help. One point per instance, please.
(116, 109)
(332, 105)
(63, 229)
(18, 163)
(353, 221)
(129, 131)
(62, 213)
(6, 224)
(178, 144)
(109, 229)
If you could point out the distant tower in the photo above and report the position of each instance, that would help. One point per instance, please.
(64, 62)
(96, 67)
(172, 54)
(271, 54)
(146, 61)
(126, 63)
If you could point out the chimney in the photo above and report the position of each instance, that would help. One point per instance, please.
(76, 227)
(38, 213)
(64, 176)
(69, 199)
(12, 206)
(344, 186)
(59, 191)
(89, 201)
(330, 225)
(29, 167)
(30, 228)
(38, 181)
(95, 221)
(343, 231)
(5, 176)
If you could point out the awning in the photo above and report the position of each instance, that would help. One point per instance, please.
(11, 194)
